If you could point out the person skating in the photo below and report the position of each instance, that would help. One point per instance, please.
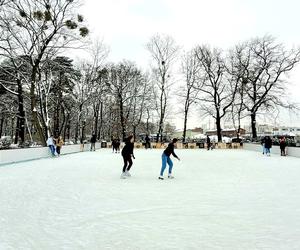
(263, 139)
(147, 142)
(59, 143)
(166, 159)
(127, 153)
(268, 145)
(113, 145)
(50, 144)
(93, 143)
(282, 144)
(208, 143)
(117, 145)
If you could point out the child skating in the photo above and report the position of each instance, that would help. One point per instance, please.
(127, 153)
(166, 159)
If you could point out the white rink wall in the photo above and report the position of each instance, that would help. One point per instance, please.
(291, 151)
(26, 154)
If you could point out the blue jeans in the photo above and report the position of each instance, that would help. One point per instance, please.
(166, 159)
(52, 149)
(268, 151)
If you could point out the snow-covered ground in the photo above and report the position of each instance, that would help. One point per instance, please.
(221, 199)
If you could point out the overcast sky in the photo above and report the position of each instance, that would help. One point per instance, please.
(126, 26)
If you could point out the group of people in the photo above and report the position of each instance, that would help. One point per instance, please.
(115, 144)
(55, 144)
(127, 154)
(267, 142)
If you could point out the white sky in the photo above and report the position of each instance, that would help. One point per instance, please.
(126, 26)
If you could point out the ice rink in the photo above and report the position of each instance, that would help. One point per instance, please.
(221, 199)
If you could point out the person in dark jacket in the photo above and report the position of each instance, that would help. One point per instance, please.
(282, 144)
(93, 143)
(147, 142)
(117, 145)
(127, 153)
(166, 159)
(268, 145)
(208, 143)
(262, 142)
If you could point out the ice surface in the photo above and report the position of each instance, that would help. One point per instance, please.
(221, 199)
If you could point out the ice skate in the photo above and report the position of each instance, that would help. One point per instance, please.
(170, 176)
(160, 177)
(127, 174)
(123, 176)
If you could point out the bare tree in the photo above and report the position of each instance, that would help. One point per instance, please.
(265, 77)
(39, 29)
(164, 52)
(238, 63)
(123, 79)
(189, 92)
(216, 93)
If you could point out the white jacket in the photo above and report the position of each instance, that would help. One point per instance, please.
(50, 141)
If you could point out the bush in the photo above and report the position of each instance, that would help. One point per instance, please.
(5, 142)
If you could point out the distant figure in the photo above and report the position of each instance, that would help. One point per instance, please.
(59, 143)
(208, 143)
(93, 143)
(50, 144)
(113, 145)
(166, 159)
(282, 144)
(127, 153)
(262, 142)
(117, 145)
(147, 142)
(81, 144)
(268, 145)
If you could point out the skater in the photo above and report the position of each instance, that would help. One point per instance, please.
(268, 145)
(59, 143)
(113, 145)
(50, 144)
(166, 159)
(282, 144)
(93, 143)
(263, 139)
(208, 143)
(147, 142)
(127, 153)
(117, 145)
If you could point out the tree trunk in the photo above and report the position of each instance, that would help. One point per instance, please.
(1, 126)
(219, 130)
(186, 110)
(134, 133)
(96, 118)
(20, 128)
(17, 131)
(253, 125)
(34, 113)
(122, 119)
(99, 136)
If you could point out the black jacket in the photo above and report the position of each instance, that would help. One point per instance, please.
(93, 139)
(268, 143)
(128, 148)
(170, 150)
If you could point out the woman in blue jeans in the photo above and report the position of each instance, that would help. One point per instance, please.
(166, 159)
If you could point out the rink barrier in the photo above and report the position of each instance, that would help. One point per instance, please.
(291, 151)
(28, 154)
